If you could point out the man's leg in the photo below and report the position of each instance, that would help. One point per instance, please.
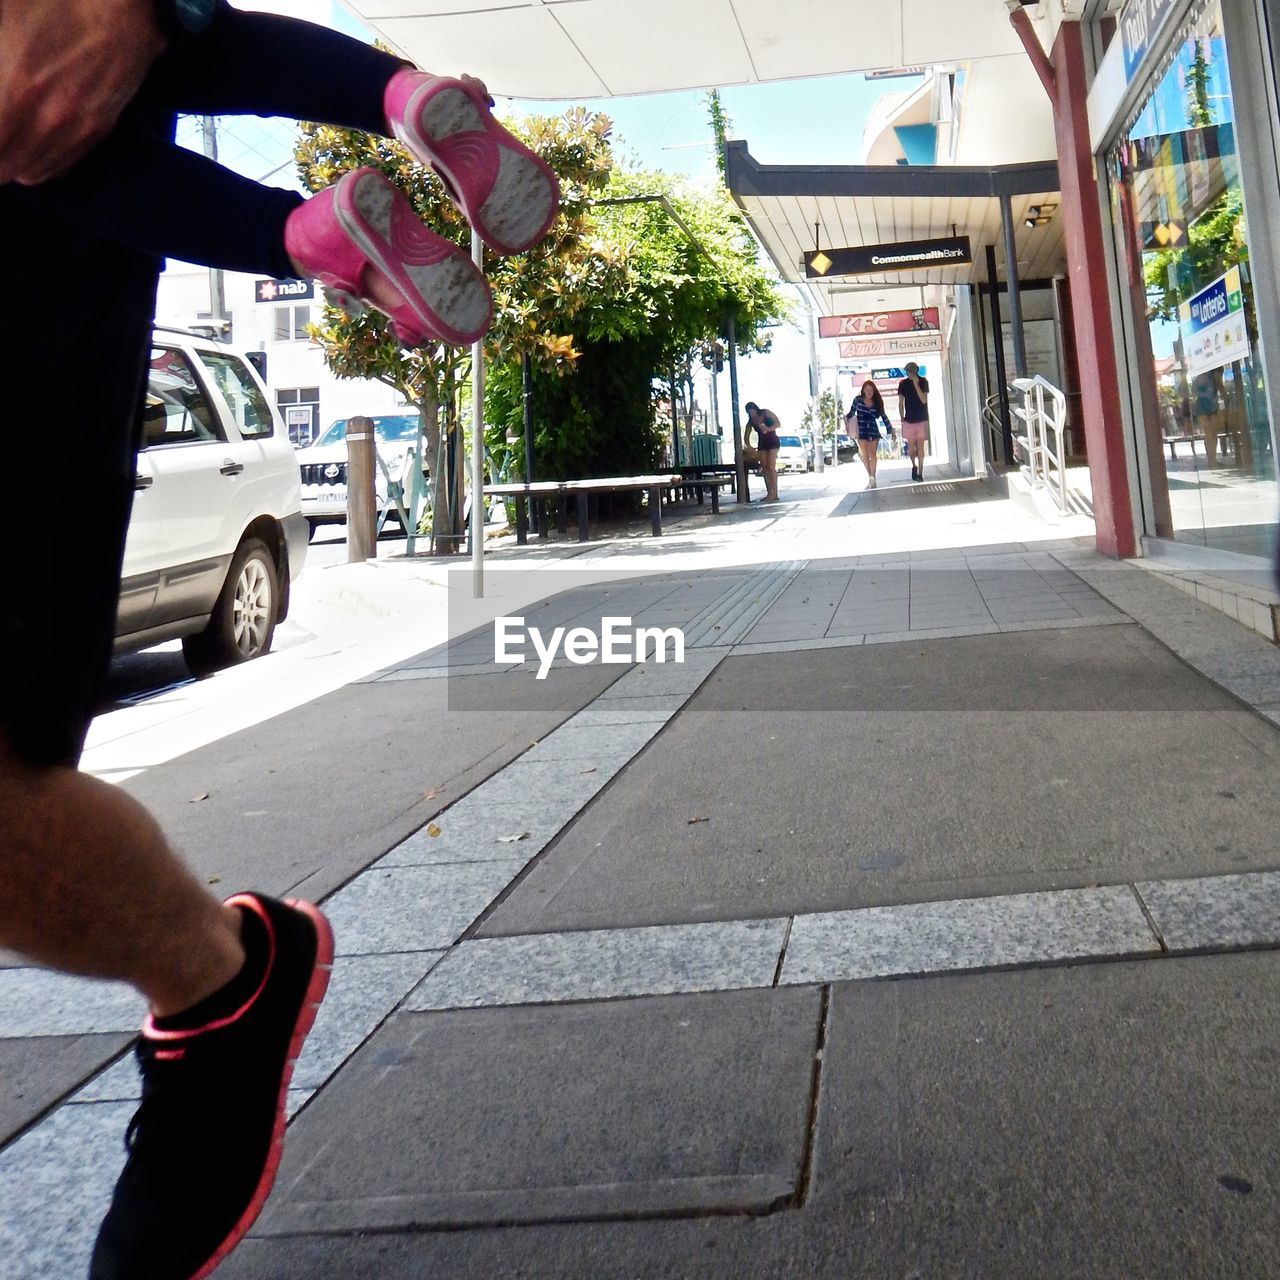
(89, 885)
(87, 882)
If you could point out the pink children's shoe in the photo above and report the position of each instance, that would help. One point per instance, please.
(509, 194)
(362, 224)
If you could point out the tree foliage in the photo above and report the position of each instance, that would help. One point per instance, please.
(1215, 240)
(639, 271)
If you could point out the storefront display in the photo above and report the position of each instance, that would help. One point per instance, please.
(1179, 204)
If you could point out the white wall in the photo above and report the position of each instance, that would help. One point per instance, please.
(184, 294)
(1005, 114)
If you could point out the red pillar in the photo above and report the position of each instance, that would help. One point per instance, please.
(1065, 80)
(1091, 302)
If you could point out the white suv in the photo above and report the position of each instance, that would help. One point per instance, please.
(217, 533)
(323, 466)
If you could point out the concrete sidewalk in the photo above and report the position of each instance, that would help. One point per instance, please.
(920, 923)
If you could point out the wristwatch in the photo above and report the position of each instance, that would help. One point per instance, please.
(180, 20)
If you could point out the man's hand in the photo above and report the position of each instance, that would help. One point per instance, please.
(68, 68)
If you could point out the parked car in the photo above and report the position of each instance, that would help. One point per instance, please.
(792, 455)
(322, 466)
(217, 534)
(846, 448)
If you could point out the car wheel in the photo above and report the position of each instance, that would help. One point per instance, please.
(243, 621)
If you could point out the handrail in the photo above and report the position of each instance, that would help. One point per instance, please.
(994, 424)
(1044, 410)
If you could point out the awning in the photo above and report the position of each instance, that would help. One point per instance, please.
(795, 209)
(603, 48)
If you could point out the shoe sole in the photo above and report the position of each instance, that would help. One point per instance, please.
(525, 198)
(316, 989)
(456, 307)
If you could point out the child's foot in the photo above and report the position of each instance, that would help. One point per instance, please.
(508, 193)
(362, 240)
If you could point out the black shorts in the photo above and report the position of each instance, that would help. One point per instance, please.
(74, 347)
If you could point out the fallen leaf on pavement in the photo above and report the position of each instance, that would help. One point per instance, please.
(524, 835)
(432, 830)
(589, 769)
(215, 879)
(197, 799)
(431, 795)
(693, 820)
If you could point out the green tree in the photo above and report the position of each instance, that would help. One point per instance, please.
(720, 126)
(682, 261)
(1215, 240)
(535, 293)
(821, 417)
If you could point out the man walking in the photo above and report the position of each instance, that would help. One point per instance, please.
(913, 410)
(88, 883)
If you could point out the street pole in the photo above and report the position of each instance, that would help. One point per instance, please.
(739, 462)
(217, 281)
(526, 371)
(477, 446)
(814, 387)
(675, 424)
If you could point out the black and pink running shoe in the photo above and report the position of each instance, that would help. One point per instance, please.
(206, 1142)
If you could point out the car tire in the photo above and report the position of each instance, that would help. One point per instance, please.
(243, 621)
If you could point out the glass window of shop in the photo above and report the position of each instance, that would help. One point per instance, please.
(1177, 194)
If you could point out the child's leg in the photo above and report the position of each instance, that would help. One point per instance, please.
(141, 190)
(263, 64)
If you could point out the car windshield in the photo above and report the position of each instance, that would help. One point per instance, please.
(790, 442)
(390, 428)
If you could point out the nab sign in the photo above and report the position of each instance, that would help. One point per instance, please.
(284, 290)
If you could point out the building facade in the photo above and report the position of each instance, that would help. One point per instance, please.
(271, 316)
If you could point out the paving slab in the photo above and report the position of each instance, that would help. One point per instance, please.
(299, 804)
(974, 933)
(36, 1073)
(944, 769)
(1218, 912)
(656, 1106)
(1096, 1122)
(55, 1186)
(397, 909)
(39, 1002)
(605, 964)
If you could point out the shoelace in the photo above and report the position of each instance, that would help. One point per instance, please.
(167, 1087)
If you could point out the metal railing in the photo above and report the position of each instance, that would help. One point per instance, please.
(994, 424)
(1043, 415)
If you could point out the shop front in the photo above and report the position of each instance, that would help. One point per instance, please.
(1190, 160)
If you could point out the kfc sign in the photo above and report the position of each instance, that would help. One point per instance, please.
(875, 323)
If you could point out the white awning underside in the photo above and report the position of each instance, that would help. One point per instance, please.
(605, 48)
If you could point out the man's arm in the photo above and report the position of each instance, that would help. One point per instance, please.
(68, 68)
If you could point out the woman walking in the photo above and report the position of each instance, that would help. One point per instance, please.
(863, 423)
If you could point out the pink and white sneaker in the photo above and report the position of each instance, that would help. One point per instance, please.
(509, 194)
(362, 224)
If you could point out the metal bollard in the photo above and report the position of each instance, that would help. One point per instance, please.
(362, 503)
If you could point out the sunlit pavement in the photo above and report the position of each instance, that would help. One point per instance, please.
(896, 931)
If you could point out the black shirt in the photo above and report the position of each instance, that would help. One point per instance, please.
(916, 409)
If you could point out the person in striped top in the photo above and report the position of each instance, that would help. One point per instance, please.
(863, 423)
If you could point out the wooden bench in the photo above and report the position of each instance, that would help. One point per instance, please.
(582, 490)
(1226, 443)
(709, 476)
